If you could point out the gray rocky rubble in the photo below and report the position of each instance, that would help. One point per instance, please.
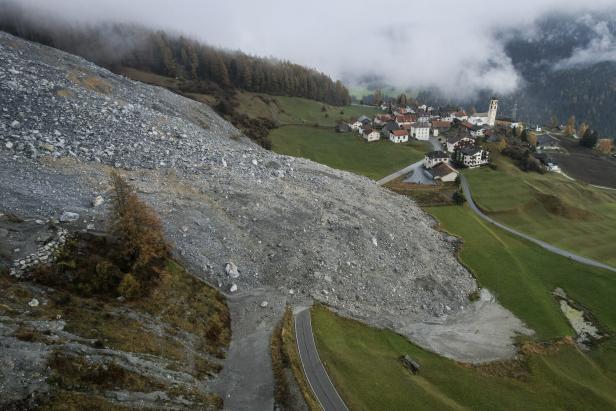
(286, 223)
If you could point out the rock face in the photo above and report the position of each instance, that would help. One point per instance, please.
(290, 224)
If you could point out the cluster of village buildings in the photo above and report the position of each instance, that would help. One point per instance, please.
(424, 123)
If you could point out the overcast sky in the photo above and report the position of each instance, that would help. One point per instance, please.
(412, 43)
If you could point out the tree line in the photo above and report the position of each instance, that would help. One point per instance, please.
(122, 45)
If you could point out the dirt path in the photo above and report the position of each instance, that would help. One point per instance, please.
(247, 382)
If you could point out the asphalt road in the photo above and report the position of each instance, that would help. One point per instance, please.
(543, 244)
(400, 173)
(318, 379)
(415, 167)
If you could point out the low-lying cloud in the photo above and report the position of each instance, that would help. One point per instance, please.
(449, 45)
(600, 49)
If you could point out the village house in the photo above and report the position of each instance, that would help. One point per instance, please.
(398, 136)
(443, 172)
(404, 120)
(549, 163)
(434, 158)
(381, 119)
(459, 141)
(423, 117)
(471, 157)
(439, 126)
(421, 131)
(547, 142)
(361, 123)
(371, 135)
(389, 126)
(447, 113)
(478, 131)
(460, 115)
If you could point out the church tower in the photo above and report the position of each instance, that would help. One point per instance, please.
(492, 112)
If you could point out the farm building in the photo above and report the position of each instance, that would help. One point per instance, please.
(443, 172)
(547, 142)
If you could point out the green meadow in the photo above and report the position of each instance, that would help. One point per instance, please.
(569, 214)
(346, 151)
(552, 374)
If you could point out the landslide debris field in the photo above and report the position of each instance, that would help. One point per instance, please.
(248, 221)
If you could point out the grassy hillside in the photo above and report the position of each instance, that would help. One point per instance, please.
(572, 215)
(363, 361)
(346, 151)
(296, 110)
(282, 110)
(364, 365)
(523, 275)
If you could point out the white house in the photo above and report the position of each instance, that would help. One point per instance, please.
(447, 115)
(471, 157)
(371, 135)
(399, 136)
(435, 158)
(423, 117)
(443, 172)
(478, 131)
(356, 125)
(421, 131)
(458, 141)
(460, 115)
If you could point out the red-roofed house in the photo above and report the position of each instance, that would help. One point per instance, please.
(399, 136)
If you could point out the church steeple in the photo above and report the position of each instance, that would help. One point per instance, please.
(492, 111)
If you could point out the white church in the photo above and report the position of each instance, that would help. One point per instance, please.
(487, 119)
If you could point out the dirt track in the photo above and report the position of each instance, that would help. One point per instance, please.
(587, 165)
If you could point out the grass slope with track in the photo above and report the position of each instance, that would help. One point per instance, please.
(364, 362)
(569, 214)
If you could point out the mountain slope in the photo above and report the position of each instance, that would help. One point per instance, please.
(259, 226)
(569, 68)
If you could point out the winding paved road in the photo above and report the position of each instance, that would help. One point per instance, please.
(400, 173)
(318, 379)
(436, 145)
(540, 243)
